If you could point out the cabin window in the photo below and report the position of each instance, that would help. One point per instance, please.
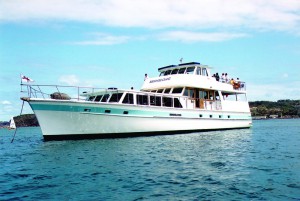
(177, 103)
(159, 90)
(105, 98)
(177, 90)
(98, 98)
(190, 70)
(167, 102)
(128, 99)
(198, 71)
(203, 94)
(241, 97)
(168, 72)
(142, 99)
(155, 100)
(91, 98)
(175, 71)
(217, 95)
(181, 71)
(189, 92)
(235, 97)
(167, 90)
(204, 72)
(211, 95)
(229, 97)
(162, 74)
(115, 97)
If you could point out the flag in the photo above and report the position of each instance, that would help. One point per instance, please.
(26, 79)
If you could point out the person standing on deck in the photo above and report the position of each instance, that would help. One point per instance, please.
(146, 77)
(217, 77)
(226, 78)
(223, 77)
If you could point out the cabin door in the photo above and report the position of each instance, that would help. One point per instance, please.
(199, 97)
(202, 95)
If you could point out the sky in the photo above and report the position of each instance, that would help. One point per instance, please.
(113, 43)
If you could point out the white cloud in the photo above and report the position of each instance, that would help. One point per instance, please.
(285, 75)
(273, 92)
(186, 36)
(5, 102)
(69, 80)
(281, 15)
(103, 39)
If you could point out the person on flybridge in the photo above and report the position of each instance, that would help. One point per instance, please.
(146, 77)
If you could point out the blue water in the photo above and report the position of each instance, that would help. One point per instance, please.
(261, 163)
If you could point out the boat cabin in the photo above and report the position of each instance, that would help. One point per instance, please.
(187, 85)
(179, 97)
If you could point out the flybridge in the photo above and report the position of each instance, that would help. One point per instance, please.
(185, 68)
(181, 65)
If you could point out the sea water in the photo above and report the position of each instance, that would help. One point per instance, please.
(260, 163)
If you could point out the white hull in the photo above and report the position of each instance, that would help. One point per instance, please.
(70, 124)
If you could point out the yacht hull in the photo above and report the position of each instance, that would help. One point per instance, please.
(71, 120)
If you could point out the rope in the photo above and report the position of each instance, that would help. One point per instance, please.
(16, 125)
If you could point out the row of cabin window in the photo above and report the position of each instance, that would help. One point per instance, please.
(188, 70)
(167, 90)
(140, 99)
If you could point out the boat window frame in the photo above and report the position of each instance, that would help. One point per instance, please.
(198, 71)
(174, 91)
(128, 99)
(107, 96)
(180, 72)
(164, 98)
(95, 99)
(190, 72)
(204, 72)
(177, 103)
(167, 90)
(189, 92)
(118, 97)
(142, 102)
(167, 72)
(174, 71)
(160, 91)
(155, 100)
(90, 98)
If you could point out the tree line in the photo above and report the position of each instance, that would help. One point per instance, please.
(280, 108)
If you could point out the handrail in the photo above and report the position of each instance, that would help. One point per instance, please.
(34, 90)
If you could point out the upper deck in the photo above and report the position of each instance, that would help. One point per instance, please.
(194, 75)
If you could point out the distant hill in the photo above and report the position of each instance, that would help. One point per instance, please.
(26, 120)
(4, 124)
(281, 108)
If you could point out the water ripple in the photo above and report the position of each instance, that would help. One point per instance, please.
(261, 163)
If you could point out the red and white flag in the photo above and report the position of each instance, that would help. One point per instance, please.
(26, 79)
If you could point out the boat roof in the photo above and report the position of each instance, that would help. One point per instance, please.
(169, 67)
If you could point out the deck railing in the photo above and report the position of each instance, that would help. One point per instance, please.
(45, 91)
